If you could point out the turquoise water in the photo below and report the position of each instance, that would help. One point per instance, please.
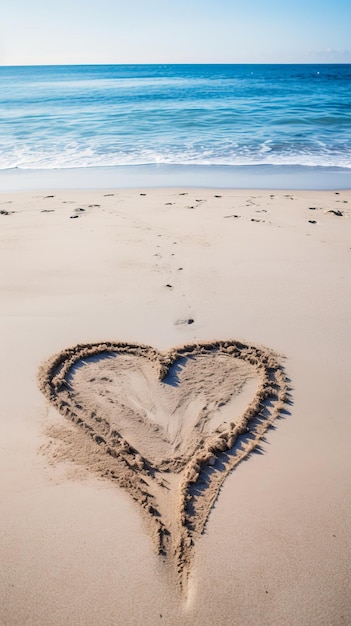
(199, 115)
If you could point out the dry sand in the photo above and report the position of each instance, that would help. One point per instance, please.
(157, 324)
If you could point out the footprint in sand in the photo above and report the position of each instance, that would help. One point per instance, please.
(180, 322)
(336, 212)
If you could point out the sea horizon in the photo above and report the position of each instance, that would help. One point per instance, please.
(162, 64)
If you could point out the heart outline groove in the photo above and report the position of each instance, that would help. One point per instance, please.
(175, 520)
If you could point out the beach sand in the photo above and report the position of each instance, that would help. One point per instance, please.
(136, 486)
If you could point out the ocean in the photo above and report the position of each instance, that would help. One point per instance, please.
(62, 117)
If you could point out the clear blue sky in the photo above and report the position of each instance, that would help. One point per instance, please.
(175, 31)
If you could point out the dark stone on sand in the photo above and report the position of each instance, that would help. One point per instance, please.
(312, 221)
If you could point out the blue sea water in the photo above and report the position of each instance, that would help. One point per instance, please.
(218, 115)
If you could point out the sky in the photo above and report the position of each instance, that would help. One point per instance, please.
(49, 32)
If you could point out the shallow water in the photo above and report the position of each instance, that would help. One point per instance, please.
(208, 115)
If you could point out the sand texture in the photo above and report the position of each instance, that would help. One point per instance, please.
(158, 421)
(150, 340)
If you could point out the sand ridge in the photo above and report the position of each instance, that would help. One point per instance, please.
(160, 423)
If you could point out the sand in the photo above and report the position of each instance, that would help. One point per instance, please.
(175, 418)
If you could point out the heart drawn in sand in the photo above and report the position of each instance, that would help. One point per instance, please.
(168, 426)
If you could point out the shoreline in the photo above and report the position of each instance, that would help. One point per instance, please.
(164, 176)
(165, 268)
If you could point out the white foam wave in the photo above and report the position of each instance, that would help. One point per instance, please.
(73, 156)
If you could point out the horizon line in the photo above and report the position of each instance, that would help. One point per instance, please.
(164, 64)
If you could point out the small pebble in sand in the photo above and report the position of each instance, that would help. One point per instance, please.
(312, 221)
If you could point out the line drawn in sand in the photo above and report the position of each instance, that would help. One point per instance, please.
(168, 427)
